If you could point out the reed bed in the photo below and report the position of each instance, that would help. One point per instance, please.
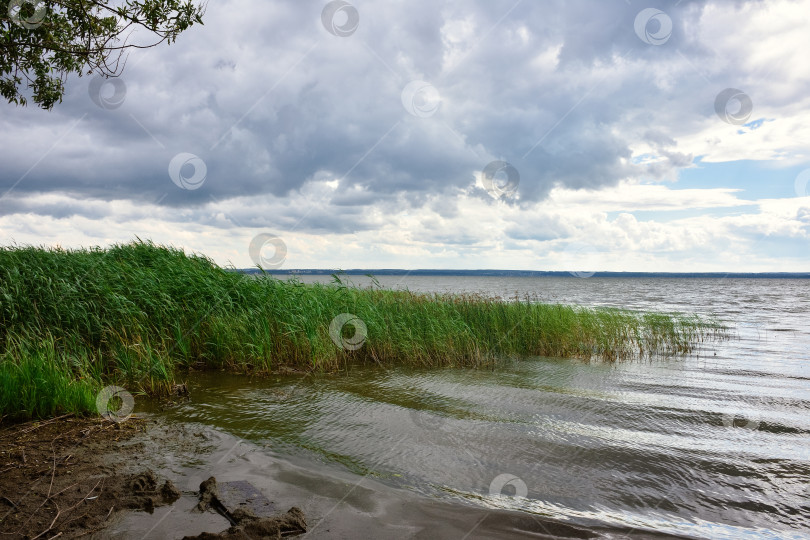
(139, 315)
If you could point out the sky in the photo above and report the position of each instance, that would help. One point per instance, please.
(538, 135)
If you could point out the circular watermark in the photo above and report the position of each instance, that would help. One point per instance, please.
(178, 171)
(26, 13)
(353, 342)
(653, 26)
(581, 259)
(287, 394)
(103, 403)
(99, 92)
(340, 18)
(736, 420)
(500, 179)
(750, 420)
(420, 99)
(260, 257)
(802, 183)
(733, 106)
(497, 486)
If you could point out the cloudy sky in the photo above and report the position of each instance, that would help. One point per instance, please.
(545, 135)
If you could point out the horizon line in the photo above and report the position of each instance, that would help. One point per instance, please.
(522, 273)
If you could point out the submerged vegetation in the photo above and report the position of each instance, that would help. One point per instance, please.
(138, 315)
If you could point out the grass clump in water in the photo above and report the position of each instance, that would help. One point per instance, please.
(138, 314)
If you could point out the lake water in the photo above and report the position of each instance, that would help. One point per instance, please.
(711, 445)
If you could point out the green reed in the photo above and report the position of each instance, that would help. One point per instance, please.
(72, 321)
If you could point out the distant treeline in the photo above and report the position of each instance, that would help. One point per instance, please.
(532, 273)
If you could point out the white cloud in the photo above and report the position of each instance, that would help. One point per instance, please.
(480, 234)
(304, 134)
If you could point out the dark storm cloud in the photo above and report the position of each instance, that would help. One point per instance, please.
(270, 102)
(14, 204)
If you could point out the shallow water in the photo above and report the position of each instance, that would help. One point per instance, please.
(715, 444)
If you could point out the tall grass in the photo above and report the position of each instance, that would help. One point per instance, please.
(138, 314)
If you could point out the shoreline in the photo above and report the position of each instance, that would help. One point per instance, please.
(97, 460)
(140, 314)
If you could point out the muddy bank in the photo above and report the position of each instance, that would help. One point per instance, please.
(248, 511)
(60, 477)
(73, 477)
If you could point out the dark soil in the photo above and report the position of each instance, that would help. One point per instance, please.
(62, 478)
(55, 479)
(246, 525)
(250, 527)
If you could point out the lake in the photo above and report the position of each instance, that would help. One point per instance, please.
(714, 444)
